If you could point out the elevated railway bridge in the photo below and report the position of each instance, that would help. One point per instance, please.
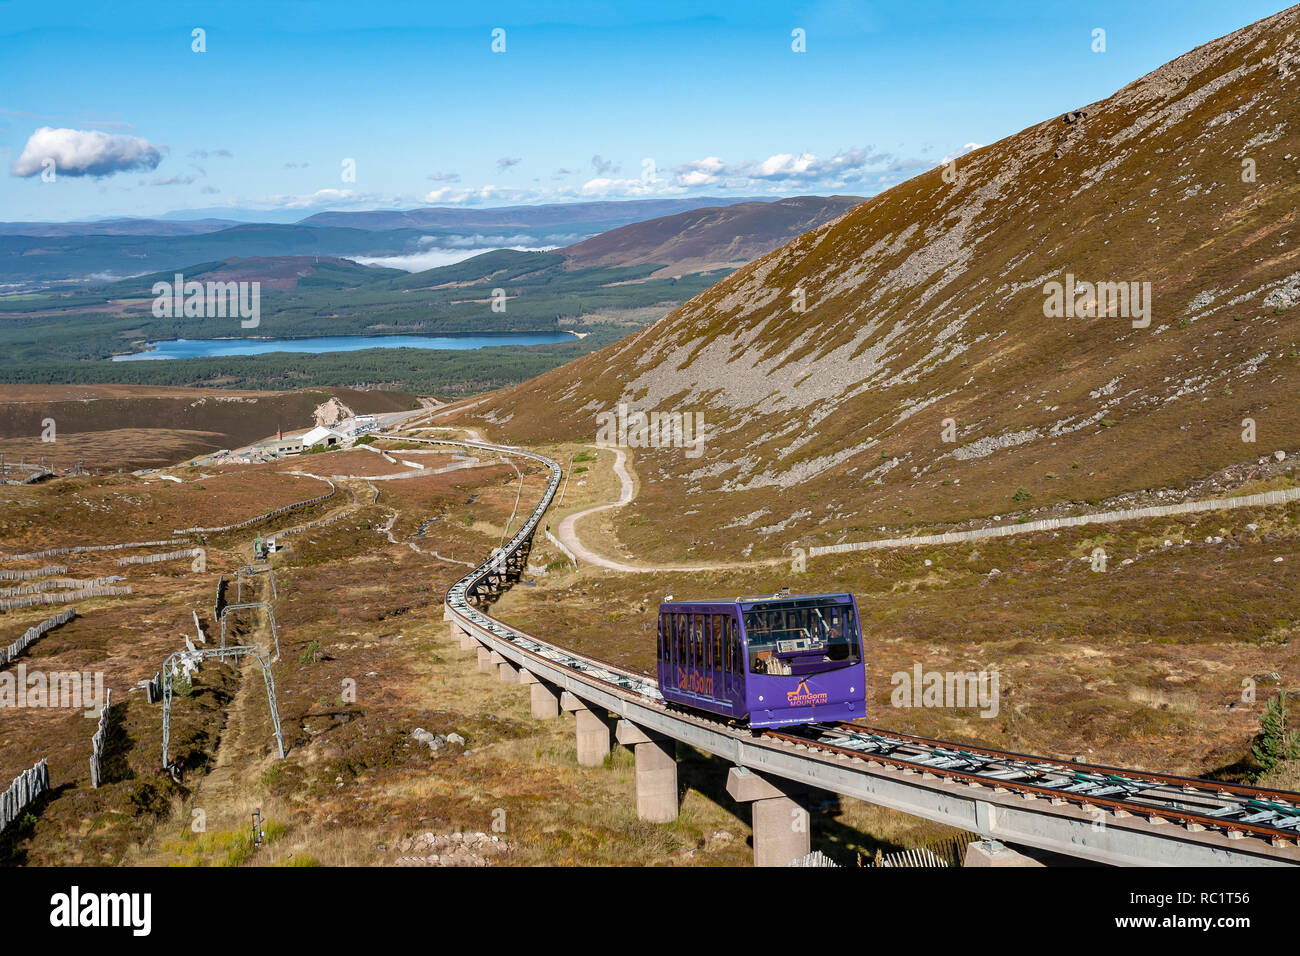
(1096, 813)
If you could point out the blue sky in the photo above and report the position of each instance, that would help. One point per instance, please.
(584, 94)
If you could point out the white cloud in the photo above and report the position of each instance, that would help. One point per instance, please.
(701, 172)
(344, 196)
(810, 169)
(81, 152)
(449, 194)
(604, 186)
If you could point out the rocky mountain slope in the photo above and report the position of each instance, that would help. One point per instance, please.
(934, 373)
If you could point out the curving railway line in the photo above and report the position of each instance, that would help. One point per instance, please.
(1103, 814)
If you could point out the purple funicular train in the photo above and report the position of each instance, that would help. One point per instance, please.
(771, 661)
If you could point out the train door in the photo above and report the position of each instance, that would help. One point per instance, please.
(735, 667)
(723, 688)
(681, 624)
(702, 687)
(697, 652)
(715, 672)
(702, 658)
(666, 647)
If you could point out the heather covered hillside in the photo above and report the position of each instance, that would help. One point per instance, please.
(937, 374)
(711, 238)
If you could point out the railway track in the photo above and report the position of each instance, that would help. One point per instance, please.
(1234, 823)
(1273, 815)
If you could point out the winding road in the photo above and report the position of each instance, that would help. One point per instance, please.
(568, 533)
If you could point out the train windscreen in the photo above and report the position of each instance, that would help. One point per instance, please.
(780, 635)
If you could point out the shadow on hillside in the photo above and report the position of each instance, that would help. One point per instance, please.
(14, 839)
(118, 744)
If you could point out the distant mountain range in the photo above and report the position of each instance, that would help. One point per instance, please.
(609, 214)
(597, 215)
(592, 216)
(112, 249)
(117, 227)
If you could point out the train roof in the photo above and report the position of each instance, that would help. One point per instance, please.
(777, 598)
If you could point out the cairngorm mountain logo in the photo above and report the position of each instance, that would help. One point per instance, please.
(694, 683)
(1093, 300)
(211, 300)
(801, 696)
(624, 429)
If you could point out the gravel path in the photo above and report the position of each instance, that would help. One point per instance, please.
(569, 536)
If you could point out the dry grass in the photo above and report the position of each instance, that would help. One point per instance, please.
(354, 607)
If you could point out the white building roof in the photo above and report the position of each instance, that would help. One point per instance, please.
(319, 434)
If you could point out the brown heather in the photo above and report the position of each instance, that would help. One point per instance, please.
(926, 303)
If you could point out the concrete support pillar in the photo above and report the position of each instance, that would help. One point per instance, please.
(983, 853)
(467, 643)
(485, 664)
(508, 672)
(656, 771)
(593, 731)
(780, 819)
(544, 697)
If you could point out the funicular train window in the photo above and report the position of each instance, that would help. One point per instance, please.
(715, 643)
(837, 627)
(697, 640)
(777, 632)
